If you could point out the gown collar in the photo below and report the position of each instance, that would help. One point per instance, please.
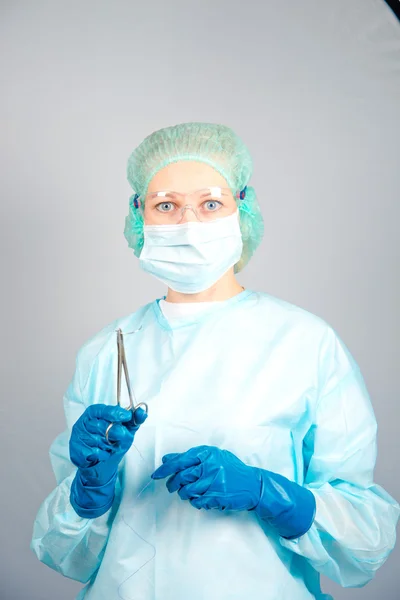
(196, 318)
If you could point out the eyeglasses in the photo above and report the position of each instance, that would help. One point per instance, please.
(169, 207)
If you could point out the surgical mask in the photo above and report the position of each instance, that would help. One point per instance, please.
(190, 257)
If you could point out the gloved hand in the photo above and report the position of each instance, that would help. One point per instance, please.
(93, 488)
(212, 478)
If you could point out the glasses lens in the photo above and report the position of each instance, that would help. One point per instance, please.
(206, 204)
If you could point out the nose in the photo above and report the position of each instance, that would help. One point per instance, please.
(188, 214)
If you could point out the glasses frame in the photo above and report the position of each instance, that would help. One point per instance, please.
(136, 199)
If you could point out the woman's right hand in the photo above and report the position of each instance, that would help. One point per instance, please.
(96, 458)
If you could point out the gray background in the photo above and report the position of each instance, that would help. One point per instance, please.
(312, 86)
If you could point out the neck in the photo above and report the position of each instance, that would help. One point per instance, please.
(223, 289)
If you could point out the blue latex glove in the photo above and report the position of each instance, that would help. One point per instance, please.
(212, 478)
(93, 488)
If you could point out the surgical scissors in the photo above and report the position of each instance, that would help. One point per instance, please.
(122, 364)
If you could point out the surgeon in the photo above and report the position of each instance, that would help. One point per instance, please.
(251, 474)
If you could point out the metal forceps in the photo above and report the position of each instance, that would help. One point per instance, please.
(122, 364)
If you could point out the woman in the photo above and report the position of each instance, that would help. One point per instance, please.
(258, 416)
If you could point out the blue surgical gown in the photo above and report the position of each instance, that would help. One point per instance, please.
(258, 376)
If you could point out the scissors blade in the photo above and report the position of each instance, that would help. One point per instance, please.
(132, 398)
(119, 370)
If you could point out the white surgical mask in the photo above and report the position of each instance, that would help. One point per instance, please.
(190, 257)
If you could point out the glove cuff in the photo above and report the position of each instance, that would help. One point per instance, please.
(97, 477)
(287, 506)
(92, 501)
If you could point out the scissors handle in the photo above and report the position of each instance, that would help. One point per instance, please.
(140, 405)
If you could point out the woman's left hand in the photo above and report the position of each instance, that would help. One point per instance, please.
(211, 478)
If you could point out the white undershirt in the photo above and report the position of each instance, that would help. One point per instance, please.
(179, 310)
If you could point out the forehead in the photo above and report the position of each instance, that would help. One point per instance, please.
(185, 176)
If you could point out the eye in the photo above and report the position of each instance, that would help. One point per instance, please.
(165, 207)
(212, 205)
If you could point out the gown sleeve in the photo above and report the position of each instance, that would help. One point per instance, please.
(72, 545)
(354, 529)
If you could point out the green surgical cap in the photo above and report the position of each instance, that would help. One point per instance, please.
(216, 145)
